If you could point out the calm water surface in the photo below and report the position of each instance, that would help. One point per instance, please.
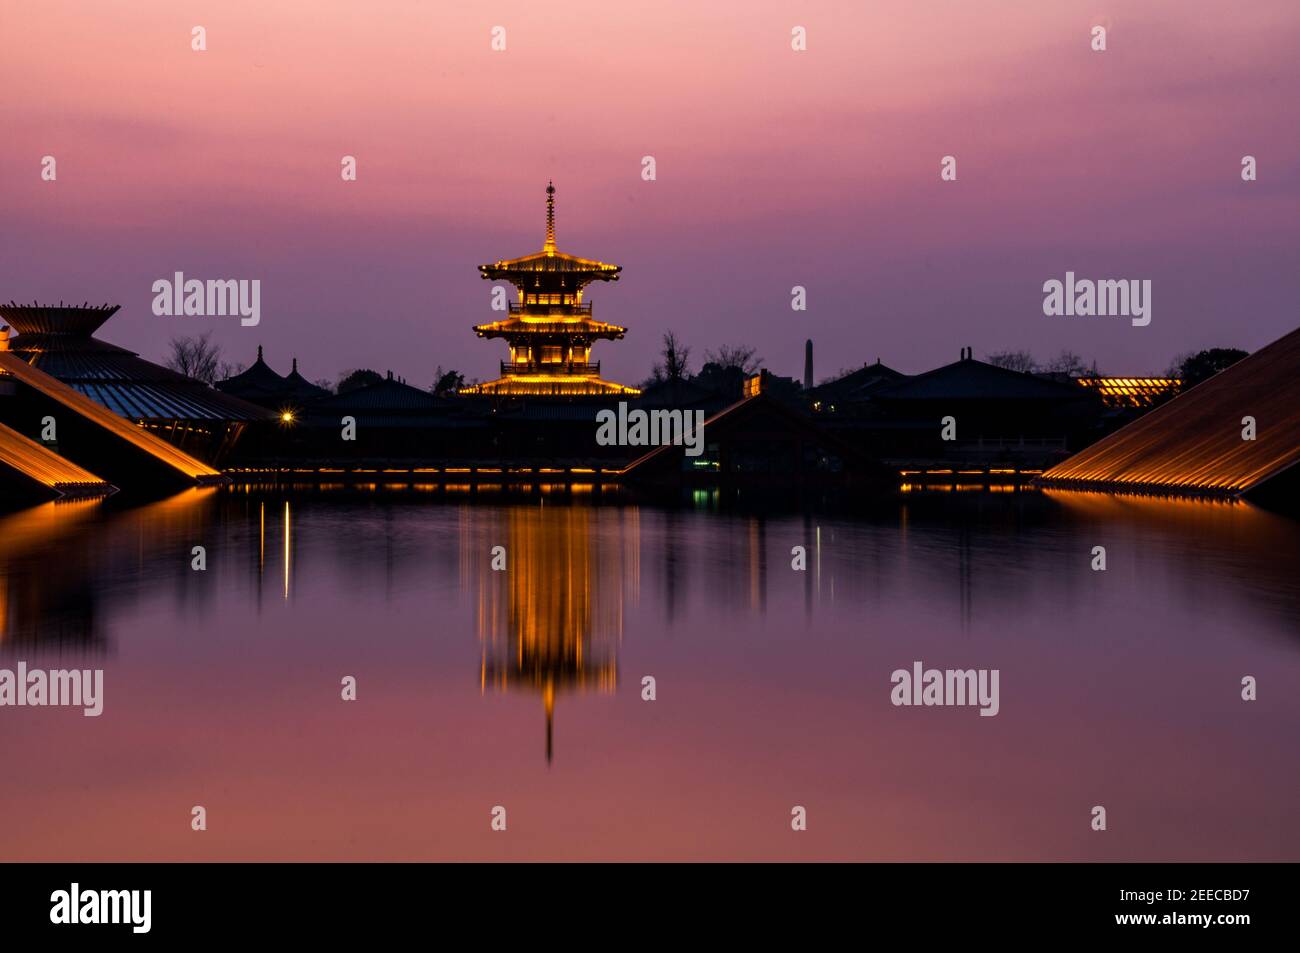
(523, 688)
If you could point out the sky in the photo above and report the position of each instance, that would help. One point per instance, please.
(775, 168)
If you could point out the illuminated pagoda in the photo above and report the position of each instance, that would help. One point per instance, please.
(550, 329)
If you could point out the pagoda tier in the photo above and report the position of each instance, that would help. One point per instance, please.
(550, 328)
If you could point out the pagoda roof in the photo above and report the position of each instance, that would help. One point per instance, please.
(299, 388)
(548, 326)
(550, 259)
(550, 385)
(257, 378)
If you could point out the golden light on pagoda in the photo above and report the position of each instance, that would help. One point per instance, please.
(549, 328)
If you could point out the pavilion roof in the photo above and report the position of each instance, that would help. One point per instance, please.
(258, 376)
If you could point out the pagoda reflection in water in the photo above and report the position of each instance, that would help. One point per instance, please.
(552, 621)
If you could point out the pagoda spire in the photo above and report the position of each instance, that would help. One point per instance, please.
(549, 246)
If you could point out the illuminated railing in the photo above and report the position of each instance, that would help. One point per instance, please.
(557, 367)
(582, 309)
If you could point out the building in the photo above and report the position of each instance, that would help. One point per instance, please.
(550, 329)
(259, 384)
(760, 441)
(393, 422)
(1130, 393)
(1236, 433)
(60, 341)
(999, 421)
(851, 392)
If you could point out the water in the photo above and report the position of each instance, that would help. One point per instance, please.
(222, 688)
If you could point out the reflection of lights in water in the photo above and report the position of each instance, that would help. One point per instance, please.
(550, 624)
(286, 549)
(53, 555)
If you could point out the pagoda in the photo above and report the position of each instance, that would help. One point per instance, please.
(550, 328)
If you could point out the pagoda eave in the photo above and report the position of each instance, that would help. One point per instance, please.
(588, 329)
(550, 385)
(555, 263)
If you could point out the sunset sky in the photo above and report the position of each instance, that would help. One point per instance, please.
(775, 168)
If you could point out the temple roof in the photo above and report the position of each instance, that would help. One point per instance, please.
(256, 380)
(550, 259)
(299, 388)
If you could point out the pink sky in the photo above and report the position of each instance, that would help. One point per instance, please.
(775, 169)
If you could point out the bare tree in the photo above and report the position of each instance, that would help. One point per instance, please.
(1067, 362)
(196, 357)
(1021, 361)
(228, 369)
(740, 356)
(676, 356)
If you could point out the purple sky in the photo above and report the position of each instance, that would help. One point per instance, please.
(775, 168)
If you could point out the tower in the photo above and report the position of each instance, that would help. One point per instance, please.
(550, 329)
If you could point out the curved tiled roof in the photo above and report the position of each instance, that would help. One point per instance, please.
(257, 378)
(552, 262)
(298, 388)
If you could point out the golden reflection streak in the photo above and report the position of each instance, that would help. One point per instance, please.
(552, 621)
(286, 549)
